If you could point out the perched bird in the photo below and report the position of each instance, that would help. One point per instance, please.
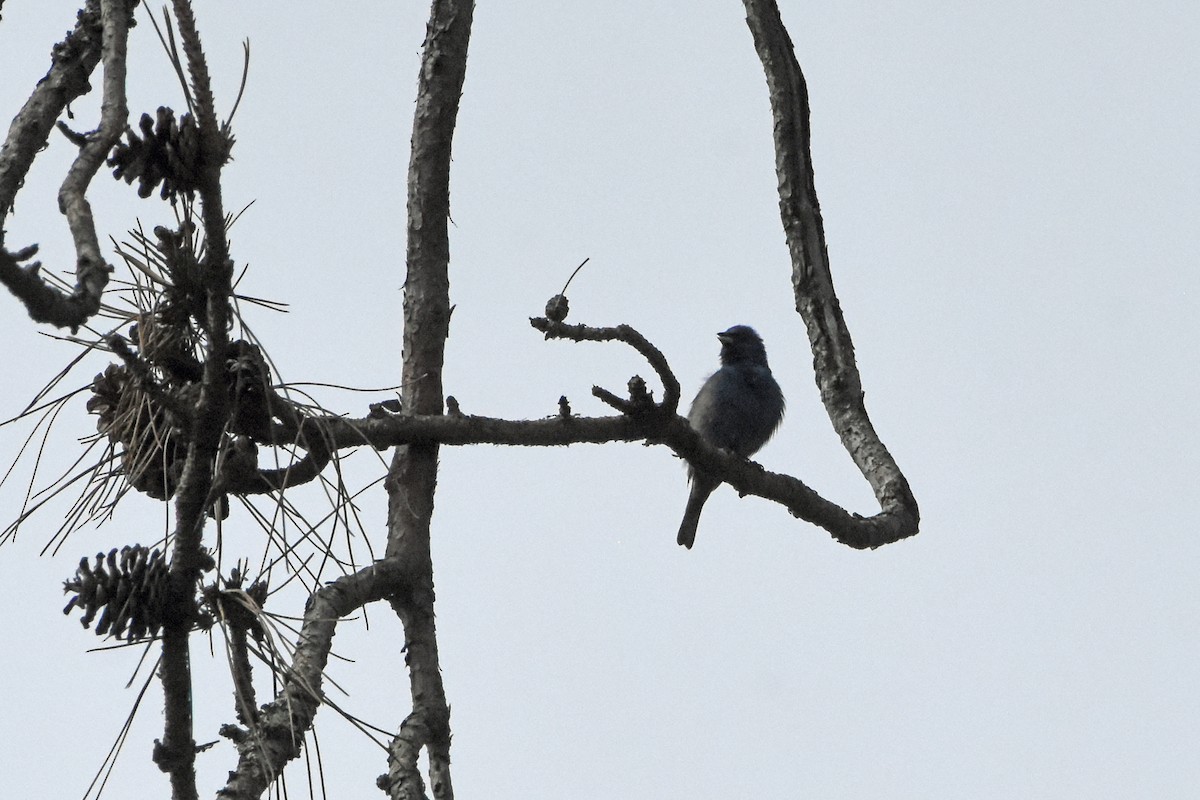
(737, 409)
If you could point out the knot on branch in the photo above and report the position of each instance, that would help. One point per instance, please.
(169, 152)
(169, 760)
(557, 308)
(640, 402)
(385, 409)
(126, 589)
(76, 44)
(233, 733)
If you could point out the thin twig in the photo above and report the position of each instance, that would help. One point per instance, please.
(620, 333)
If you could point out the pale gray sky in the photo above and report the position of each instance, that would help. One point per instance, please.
(1010, 196)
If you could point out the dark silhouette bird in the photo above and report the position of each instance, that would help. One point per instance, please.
(737, 409)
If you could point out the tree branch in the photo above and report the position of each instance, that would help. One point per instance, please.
(556, 329)
(652, 425)
(71, 64)
(195, 493)
(641, 420)
(91, 269)
(102, 31)
(833, 352)
(277, 735)
(412, 478)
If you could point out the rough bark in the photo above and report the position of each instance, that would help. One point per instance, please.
(193, 498)
(833, 352)
(412, 478)
(405, 575)
(102, 31)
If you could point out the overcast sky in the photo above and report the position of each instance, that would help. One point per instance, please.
(1010, 196)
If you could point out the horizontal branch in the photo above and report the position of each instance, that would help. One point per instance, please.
(655, 426)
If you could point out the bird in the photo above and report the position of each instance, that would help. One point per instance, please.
(737, 409)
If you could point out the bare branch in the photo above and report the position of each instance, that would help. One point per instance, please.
(622, 333)
(222, 438)
(412, 478)
(747, 477)
(641, 420)
(279, 731)
(91, 269)
(196, 493)
(833, 352)
(102, 31)
(71, 64)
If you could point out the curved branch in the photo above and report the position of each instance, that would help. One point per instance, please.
(91, 269)
(833, 352)
(240, 473)
(640, 420)
(621, 333)
(673, 431)
(277, 735)
(302, 471)
(102, 31)
(72, 63)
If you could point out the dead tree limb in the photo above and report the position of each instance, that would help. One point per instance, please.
(194, 496)
(102, 31)
(405, 575)
(833, 352)
(278, 732)
(412, 477)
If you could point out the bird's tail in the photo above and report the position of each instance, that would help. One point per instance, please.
(701, 488)
(687, 529)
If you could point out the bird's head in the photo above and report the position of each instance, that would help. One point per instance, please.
(740, 345)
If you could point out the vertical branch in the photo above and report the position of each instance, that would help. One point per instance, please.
(91, 270)
(412, 479)
(214, 151)
(176, 753)
(833, 352)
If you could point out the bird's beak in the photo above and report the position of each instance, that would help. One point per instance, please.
(724, 337)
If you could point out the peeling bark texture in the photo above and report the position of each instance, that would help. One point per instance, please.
(833, 352)
(101, 32)
(412, 478)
